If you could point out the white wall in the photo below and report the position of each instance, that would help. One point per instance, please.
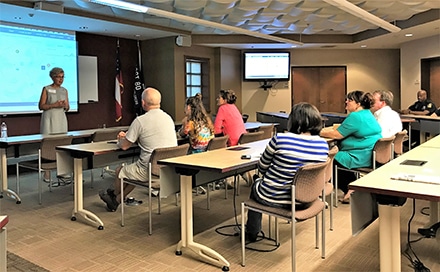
(367, 70)
(410, 55)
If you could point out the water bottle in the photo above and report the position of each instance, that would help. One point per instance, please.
(4, 133)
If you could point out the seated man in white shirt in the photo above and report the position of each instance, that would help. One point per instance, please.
(388, 119)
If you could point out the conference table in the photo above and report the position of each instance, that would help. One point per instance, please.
(280, 118)
(17, 141)
(427, 124)
(70, 159)
(208, 166)
(415, 174)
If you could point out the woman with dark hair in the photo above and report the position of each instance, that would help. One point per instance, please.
(358, 133)
(283, 156)
(229, 120)
(197, 125)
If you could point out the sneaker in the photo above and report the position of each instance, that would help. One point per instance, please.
(110, 200)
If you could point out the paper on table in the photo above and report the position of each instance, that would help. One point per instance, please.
(417, 178)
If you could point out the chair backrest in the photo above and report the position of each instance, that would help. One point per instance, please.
(48, 151)
(245, 117)
(398, 142)
(267, 131)
(383, 151)
(251, 137)
(331, 155)
(218, 142)
(166, 153)
(105, 135)
(309, 181)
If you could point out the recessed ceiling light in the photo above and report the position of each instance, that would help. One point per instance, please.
(363, 46)
(408, 35)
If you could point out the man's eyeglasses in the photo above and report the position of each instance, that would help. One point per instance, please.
(59, 77)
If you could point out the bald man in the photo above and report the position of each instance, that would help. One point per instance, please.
(423, 105)
(154, 129)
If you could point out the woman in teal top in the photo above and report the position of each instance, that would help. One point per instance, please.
(358, 133)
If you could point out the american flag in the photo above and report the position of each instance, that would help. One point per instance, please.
(119, 87)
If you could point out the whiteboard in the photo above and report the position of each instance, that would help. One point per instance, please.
(88, 79)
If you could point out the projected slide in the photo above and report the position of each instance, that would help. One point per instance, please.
(26, 57)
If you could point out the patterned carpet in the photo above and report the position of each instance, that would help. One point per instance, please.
(17, 263)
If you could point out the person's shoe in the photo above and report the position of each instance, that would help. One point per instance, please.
(111, 192)
(251, 237)
(429, 232)
(110, 200)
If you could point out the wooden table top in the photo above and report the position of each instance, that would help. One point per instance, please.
(380, 181)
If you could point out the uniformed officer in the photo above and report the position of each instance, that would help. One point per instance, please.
(423, 105)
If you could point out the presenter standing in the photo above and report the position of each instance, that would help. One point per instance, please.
(54, 102)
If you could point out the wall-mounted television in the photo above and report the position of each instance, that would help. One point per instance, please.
(266, 66)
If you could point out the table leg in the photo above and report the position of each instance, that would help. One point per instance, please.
(434, 213)
(4, 177)
(78, 198)
(389, 238)
(422, 137)
(207, 254)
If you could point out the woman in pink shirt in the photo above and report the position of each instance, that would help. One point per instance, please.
(229, 120)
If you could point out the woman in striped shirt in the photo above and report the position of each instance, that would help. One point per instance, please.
(284, 154)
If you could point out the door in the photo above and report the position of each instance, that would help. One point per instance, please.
(324, 87)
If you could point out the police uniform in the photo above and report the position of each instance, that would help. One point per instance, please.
(422, 106)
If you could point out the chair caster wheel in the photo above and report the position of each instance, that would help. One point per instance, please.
(1, 196)
(225, 268)
(73, 218)
(100, 227)
(178, 252)
(18, 202)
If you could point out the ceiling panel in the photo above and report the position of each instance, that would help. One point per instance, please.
(290, 19)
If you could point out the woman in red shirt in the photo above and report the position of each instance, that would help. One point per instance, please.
(229, 120)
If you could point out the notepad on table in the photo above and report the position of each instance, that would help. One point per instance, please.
(417, 178)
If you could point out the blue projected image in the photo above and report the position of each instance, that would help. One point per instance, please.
(27, 54)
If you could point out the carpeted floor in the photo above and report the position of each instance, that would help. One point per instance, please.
(17, 263)
(45, 235)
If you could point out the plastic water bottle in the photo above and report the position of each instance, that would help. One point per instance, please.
(4, 129)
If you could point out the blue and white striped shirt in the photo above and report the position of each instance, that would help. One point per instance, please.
(284, 154)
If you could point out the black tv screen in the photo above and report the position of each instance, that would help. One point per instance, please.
(266, 66)
(27, 54)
